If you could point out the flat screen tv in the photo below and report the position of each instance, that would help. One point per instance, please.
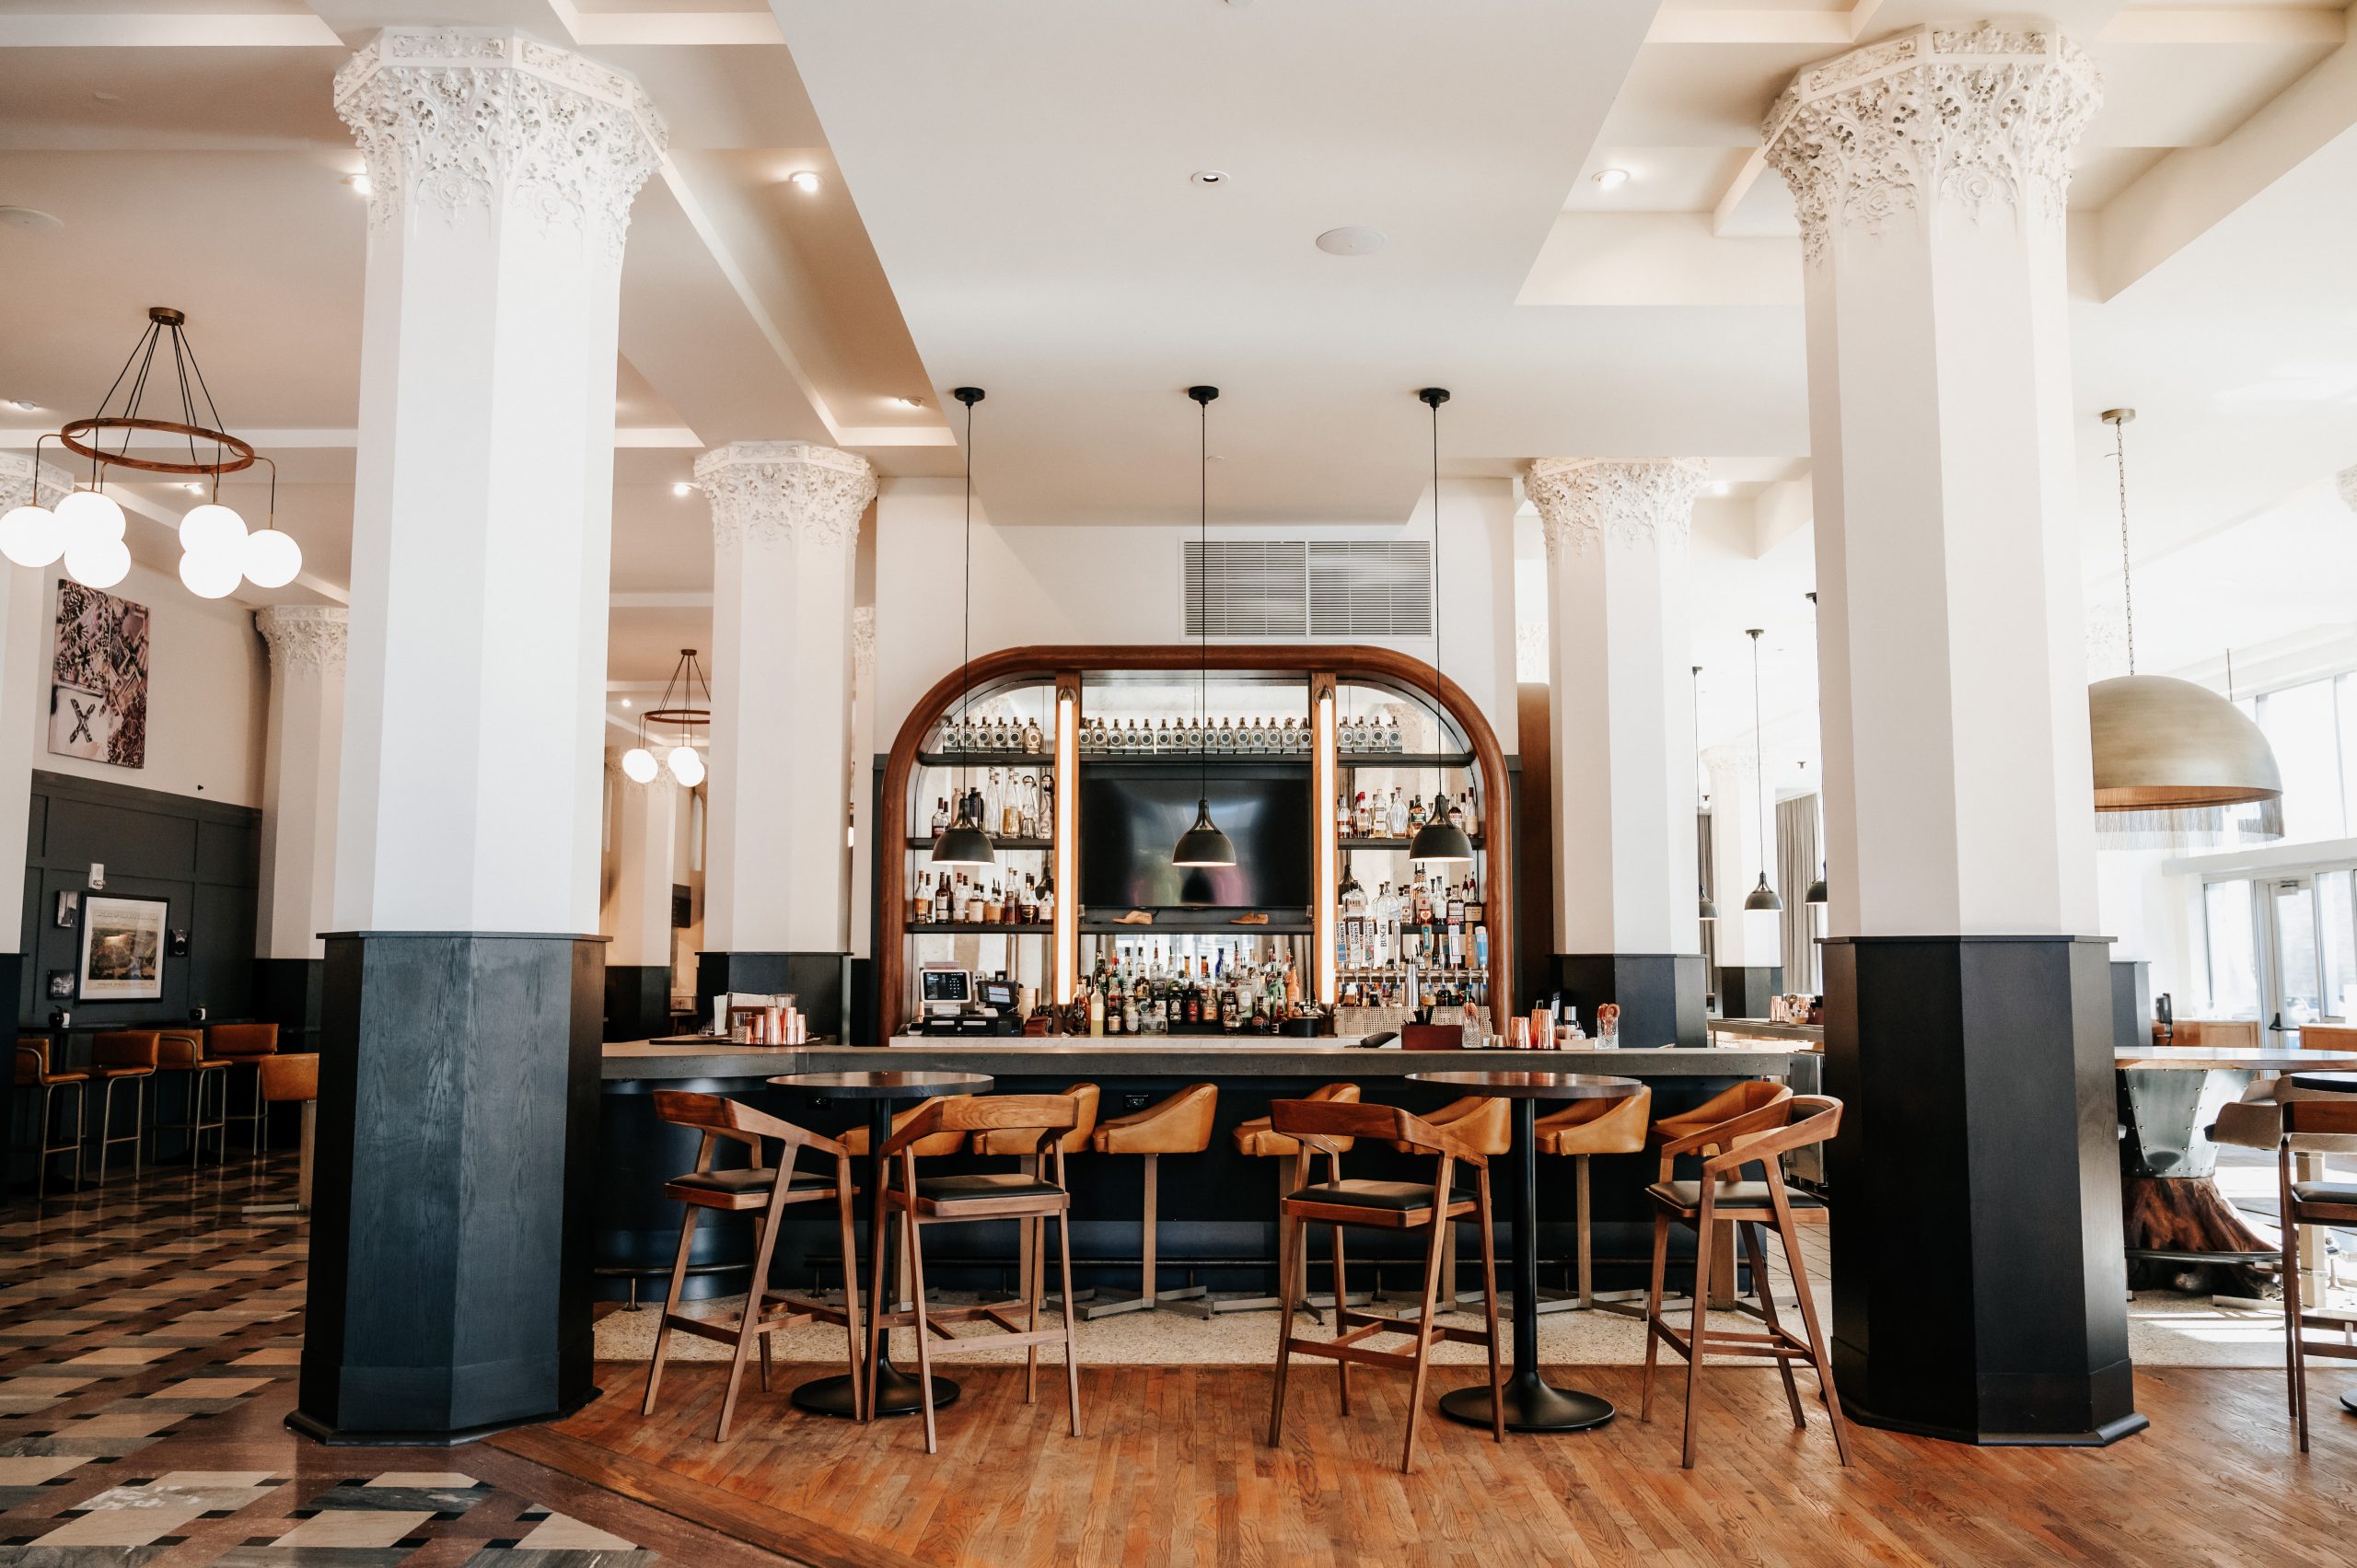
(1129, 821)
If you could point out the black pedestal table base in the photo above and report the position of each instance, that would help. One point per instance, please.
(896, 1394)
(1532, 1405)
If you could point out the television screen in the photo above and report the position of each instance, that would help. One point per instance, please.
(1130, 818)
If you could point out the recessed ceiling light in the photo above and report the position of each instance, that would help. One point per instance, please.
(1209, 177)
(23, 405)
(681, 487)
(1719, 487)
(806, 180)
(359, 183)
(1352, 241)
(1612, 179)
(29, 218)
(906, 403)
(625, 702)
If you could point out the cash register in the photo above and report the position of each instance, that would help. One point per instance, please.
(958, 1003)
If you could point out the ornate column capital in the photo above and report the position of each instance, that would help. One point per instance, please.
(17, 483)
(1637, 501)
(785, 490)
(304, 637)
(863, 635)
(1981, 115)
(455, 118)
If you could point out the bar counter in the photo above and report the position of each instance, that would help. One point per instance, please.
(1219, 1207)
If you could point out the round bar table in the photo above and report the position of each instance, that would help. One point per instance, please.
(1532, 1405)
(896, 1392)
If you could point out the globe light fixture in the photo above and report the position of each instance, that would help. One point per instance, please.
(212, 527)
(681, 758)
(90, 515)
(639, 766)
(270, 559)
(97, 564)
(686, 764)
(207, 574)
(31, 536)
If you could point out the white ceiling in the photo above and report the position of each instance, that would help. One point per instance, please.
(1007, 202)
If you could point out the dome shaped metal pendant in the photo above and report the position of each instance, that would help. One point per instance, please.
(1203, 844)
(2178, 766)
(1440, 841)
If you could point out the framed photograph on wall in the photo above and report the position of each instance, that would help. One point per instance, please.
(123, 948)
(69, 909)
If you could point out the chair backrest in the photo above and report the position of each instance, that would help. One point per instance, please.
(2220, 1034)
(178, 1050)
(123, 1048)
(718, 1117)
(1763, 1136)
(2328, 1036)
(1017, 1140)
(291, 1076)
(2333, 1113)
(1328, 1125)
(31, 1059)
(241, 1040)
(1047, 1115)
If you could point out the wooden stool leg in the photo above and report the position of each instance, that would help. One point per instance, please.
(1063, 1263)
(670, 1304)
(879, 1306)
(753, 1300)
(851, 1290)
(1698, 1335)
(1490, 1307)
(1652, 1313)
(1586, 1240)
(1292, 1263)
(1033, 1232)
(1434, 1244)
(1150, 1285)
(748, 1328)
(1819, 1352)
(1759, 1256)
(1028, 1233)
(1342, 1293)
(925, 1339)
(1722, 1242)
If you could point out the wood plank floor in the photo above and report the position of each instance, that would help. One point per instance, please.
(1174, 1470)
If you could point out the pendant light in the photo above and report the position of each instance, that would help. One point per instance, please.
(1438, 839)
(684, 760)
(1816, 893)
(2171, 758)
(1203, 844)
(1709, 910)
(1763, 897)
(964, 842)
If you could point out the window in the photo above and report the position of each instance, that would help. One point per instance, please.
(2234, 949)
(2295, 949)
(2302, 724)
(2337, 941)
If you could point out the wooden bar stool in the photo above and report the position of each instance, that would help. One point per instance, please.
(1580, 1131)
(1759, 1138)
(121, 1056)
(1255, 1139)
(180, 1053)
(1001, 1142)
(1019, 1195)
(1486, 1121)
(765, 1193)
(1383, 1205)
(2311, 1126)
(33, 1071)
(1179, 1125)
(242, 1045)
(294, 1077)
(1750, 1095)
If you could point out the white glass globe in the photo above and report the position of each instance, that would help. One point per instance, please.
(208, 573)
(98, 563)
(271, 559)
(638, 765)
(31, 536)
(87, 513)
(212, 527)
(686, 766)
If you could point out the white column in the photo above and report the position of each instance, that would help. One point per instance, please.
(301, 761)
(1742, 938)
(646, 831)
(863, 764)
(786, 520)
(1930, 170)
(502, 173)
(1623, 723)
(24, 676)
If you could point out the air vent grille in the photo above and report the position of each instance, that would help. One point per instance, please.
(1370, 588)
(1250, 587)
(1348, 589)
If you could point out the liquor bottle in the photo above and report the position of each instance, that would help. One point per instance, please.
(1481, 949)
(1047, 899)
(1034, 739)
(994, 906)
(1342, 818)
(1415, 813)
(1130, 1018)
(943, 910)
(1096, 1011)
(1393, 740)
(923, 902)
(1457, 815)
(1398, 816)
(1471, 823)
(940, 823)
(1362, 817)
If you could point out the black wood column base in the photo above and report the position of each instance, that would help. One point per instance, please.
(1745, 990)
(1659, 994)
(1979, 1283)
(820, 983)
(638, 1001)
(337, 1438)
(454, 1195)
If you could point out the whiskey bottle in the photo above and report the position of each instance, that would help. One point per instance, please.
(940, 823)
(1342, 818)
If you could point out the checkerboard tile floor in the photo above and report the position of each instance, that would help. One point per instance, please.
(150, 1335)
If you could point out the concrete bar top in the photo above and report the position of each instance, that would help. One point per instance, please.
(1167, 1057)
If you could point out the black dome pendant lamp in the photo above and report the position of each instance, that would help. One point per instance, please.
(1203, 844)
(1763, 897)
(1438, 839)
(964, 842)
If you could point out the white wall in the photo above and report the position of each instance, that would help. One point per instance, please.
(1121, 583)
(208, 692)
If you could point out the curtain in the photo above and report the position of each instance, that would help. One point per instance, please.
(1707, 879)
(1797, 860)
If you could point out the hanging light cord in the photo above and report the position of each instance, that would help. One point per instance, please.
(965, 636)
(1437, 734)
(2127, 583)
(1203, 600)
(1758, 757)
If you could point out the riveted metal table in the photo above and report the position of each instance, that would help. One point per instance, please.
(897, 1393)
(1532, 1405)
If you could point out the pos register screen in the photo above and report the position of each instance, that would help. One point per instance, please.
(1129, 822)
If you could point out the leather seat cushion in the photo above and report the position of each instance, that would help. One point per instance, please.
(985, 1185)
(737, 1182)
(101, 1070)
(1393, 1197)
(2324, 1192)
(1730, 1195)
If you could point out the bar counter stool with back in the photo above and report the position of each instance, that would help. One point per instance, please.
(1580, 1131)
(121, 1056)
(1320, 1127)
(1027, 1196)
(1179, 1125)
(1750, 1095)
(242, 1045)
(33, 1071)
(1000, 1143)
(765, 1191)
(1486, 1123)
(181, 1053)
(292, 1077)
(2312, 1126)
(1723, 1194)
(1256, 1139)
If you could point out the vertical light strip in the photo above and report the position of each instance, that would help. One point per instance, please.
(1066, 934)
(1323, 772)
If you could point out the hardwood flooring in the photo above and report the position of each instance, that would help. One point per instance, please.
(1175, 1470)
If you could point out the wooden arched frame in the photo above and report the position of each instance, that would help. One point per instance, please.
(1065, 666)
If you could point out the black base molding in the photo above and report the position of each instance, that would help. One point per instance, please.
(1745, 991)
(638, 1001)
(820, 983)
(452, 1229)
(2102, 1436)
(1660, 995)
(1978, 1285)
(337, 1438)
